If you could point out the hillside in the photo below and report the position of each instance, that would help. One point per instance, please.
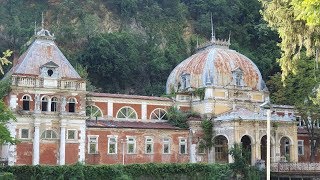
(131, 46)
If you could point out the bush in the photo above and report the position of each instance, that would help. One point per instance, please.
(119, 172)
(6, 176)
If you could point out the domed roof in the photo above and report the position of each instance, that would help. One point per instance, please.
(215, 65)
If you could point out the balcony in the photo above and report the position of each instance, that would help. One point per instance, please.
(27, 81)
(295, 167)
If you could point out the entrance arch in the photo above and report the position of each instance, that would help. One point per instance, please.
(246, 145)
(285, 149)
(221, 149)
(263, 148)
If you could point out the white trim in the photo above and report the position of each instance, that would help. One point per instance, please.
(75, 135)
(159, 118)
(183, 143)
(96, 142)
(115, 143)
(168, 142)
(20, 133)
(148, 141)
(134, 142)
(30, 98)
(129, 107)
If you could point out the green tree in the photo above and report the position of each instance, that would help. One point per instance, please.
(296, 35)
(4, 60)
(308, 10)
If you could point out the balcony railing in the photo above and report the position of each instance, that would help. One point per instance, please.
(39, 82)
(295, 167)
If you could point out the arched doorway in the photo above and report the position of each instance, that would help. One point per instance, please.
(246, 145)
(221, 149)
(285, 149)
(263, 148)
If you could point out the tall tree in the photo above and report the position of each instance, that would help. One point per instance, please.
(296, 35)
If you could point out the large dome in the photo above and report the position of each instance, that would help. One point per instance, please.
(217, 66)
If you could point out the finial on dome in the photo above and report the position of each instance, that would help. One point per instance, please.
(229, 37)
(213, 38)
(197, 42)
(35, 28)
(43, 33)
(42, 21)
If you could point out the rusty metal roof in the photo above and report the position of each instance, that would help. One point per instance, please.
(43, 51)
(217, 63)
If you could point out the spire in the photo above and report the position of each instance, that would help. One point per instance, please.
(229, 37)
(35, 27)
(42, 21)
(213, 38)
(197, 42)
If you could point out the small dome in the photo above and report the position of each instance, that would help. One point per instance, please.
(217, 66)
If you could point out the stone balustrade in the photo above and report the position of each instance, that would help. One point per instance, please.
(295, 167)
(79, 85)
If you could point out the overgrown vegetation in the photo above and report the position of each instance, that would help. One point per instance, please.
(241, 166)
(180, 118)
(208, 134)
(132, 171)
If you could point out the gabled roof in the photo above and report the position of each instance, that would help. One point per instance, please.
(43, 52)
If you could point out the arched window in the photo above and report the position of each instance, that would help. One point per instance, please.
(49, 134)
(44, 104)
(26, 102)
(127, 113)
(93, 111)
(54, 102)
(159, 114)
(221, 149)
(72, 105)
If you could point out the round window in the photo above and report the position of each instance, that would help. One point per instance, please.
(50, 72)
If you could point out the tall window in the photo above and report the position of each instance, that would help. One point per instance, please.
(54, 102)
(93, 144)
(149, 145)
(166, 146)
(159, 114)
(112, 145)
(237, 77)
(72, 105)
(221, 149)
(182, 146)
(201, 150)
(44, 104)
(300, 147)
(26, 103)
(131, 145)
(49, 134)
(127, 113)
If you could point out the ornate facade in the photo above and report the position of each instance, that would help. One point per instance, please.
(59, 122)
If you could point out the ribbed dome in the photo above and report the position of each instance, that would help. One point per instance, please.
(216, 66)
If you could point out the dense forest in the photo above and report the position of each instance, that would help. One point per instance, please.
(131, 46)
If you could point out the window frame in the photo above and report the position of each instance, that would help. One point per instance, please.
(44, 101)
(113, 143)
(156, 113)
(133, 142)
(27, 100)
(166, 141)
(127, 116)
(149, 142)
(51, 134)
(96, 143)
(21, 133)
(301, 145)
(54, 104)
(75, 134)
(73, 101)
(185, 144)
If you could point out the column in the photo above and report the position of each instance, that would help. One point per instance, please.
(230, 145)
(49, 105)
(36, 143)
(144, 111)
(110, 108)
(62, 142)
